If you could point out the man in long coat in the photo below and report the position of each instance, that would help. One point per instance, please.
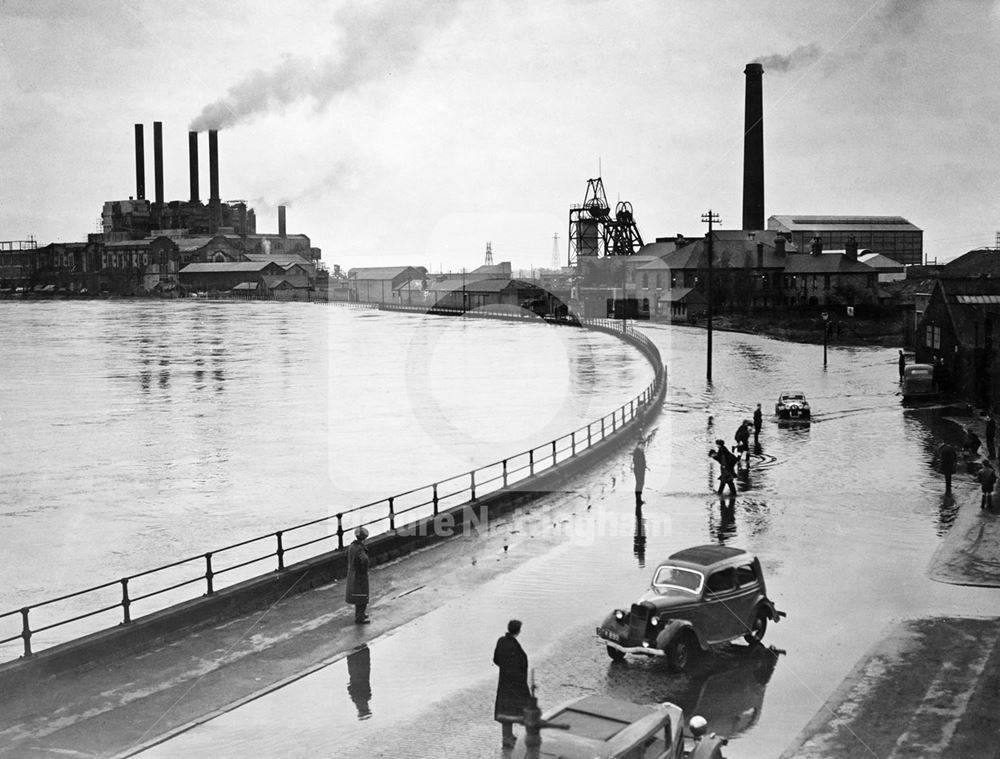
(513, 694)
(639, 469)
(357, 576)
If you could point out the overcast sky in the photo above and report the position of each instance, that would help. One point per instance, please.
(414, 132)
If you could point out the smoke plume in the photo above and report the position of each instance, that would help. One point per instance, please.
(377, 40)
(800, 56)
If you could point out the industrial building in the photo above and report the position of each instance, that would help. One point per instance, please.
(891, 236)
(145, 244)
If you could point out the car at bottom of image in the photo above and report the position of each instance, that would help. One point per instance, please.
(699, 597)
(792, 404)
(599, 727)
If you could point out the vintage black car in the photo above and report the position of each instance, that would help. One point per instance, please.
(792, 404)
(699, 597)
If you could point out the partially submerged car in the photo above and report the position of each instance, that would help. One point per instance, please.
(918, 382)
(698, 598)
(598, 727)
(792, 404)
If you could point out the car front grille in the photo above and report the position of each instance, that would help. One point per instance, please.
(638, 619)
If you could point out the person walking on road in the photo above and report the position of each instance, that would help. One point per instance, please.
(991, 435)
(988, 479)
(357, 576)
(727, 464)
(758, 420)
(639, 468)
(902, 365)
(513, 694)
(743, 439)
(947, 456)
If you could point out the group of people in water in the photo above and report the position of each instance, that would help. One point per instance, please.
(727, 460)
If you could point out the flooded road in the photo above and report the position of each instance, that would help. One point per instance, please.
(844, 513)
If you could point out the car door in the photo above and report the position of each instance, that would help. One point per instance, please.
(748, 588)
(718, 621)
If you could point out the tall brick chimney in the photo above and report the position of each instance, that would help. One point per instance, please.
(214, 202)
(193, 165)
(281, 221)
(140, 165)
(158, 161)
(753, 150)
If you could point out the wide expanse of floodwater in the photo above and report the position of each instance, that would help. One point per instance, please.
(136, 433)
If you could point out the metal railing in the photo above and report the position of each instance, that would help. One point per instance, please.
(393, 514)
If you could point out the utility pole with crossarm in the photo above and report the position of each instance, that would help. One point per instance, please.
(711, 218)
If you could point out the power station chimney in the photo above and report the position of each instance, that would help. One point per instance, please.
(140, 165)
(214, 202)
(281, 221)
(753, 150)
(158, 160)
(193, 165)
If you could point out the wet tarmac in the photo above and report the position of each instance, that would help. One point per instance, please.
(844, 512)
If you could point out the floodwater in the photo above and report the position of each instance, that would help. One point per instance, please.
(844, 513)
(134, 434)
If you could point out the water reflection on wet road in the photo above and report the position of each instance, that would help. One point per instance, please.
(844, 513)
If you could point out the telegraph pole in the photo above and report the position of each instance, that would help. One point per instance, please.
(711, 218)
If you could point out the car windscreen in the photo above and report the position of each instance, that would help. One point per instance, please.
(677, 577)
(793, 397)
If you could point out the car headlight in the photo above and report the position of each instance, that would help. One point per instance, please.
(619, 615)
(655, 620)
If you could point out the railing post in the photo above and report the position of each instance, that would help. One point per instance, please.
(505, 472)
(472, 486)
(280, 553)
(340, 531)
(588, 435)
(602, 428)
(631, 410)
(572, 443)
(614, 420)
(26, 632)
(392, 514)
(531, 461)
(553, 453)
(435, 499)
(209, 574)
(126, 602)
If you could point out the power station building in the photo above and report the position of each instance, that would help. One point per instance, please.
(144, 244)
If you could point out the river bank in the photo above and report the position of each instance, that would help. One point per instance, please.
(886, 333)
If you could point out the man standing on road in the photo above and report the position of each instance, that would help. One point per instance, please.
(357, 576)
(987, 478)
(902, 364)
(639, 469)
(947, 456)
(513, 695)
(758, 420)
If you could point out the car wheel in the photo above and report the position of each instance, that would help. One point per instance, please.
(615, 654)
(680, 652)
(758, 627)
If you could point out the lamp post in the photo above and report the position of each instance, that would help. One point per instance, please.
(710, 218)
(826, 333)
